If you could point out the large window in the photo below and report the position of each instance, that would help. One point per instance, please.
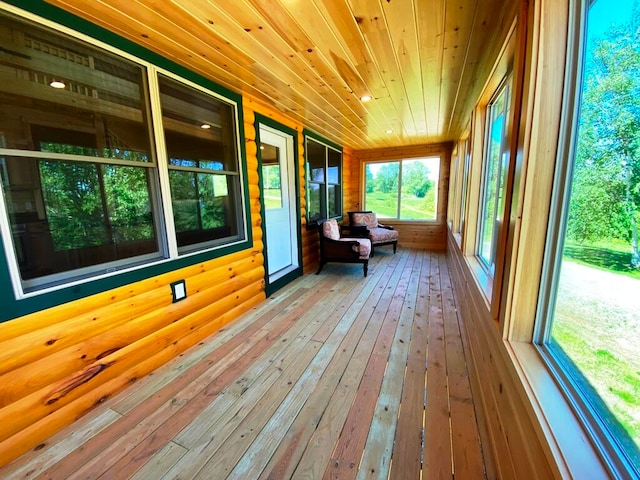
(324, 181)
(403, 189)
(592, 318)
(82, 183)
(203, 167)
(495, 165)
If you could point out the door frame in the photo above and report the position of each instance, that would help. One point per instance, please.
(297, 227)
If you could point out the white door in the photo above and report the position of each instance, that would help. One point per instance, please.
(278, 193)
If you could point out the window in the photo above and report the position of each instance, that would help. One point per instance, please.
(324, 181)
(403, 189)
(495, 165)
(203, 170)
(453, 187)
(591, 321)
(466, 157)
(81, 179)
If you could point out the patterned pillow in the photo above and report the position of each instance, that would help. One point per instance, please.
(330, 229)
(369, 219)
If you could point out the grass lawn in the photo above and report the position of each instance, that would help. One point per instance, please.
(411, 207)
(597, 324)
(613, 256)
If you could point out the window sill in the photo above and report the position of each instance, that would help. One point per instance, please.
(568, 444)
(482, 278)
(458, 238)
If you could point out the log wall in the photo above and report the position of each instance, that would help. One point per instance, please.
(57, 364)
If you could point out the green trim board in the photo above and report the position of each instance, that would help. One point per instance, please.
(12, 307)
(310, 133)
(281, 282)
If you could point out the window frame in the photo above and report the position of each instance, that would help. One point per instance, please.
(504, 149)
(574, 386)
(324, 207)
(20, 302)
(400, 162)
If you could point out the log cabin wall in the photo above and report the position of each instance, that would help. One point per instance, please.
(57, 364)
(430, 235)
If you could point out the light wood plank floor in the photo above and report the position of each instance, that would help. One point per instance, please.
(335, 376)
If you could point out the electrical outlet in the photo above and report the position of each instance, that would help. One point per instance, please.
(179, 290)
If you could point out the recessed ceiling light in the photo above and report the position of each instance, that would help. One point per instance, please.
(389, 131)
(57, 84)
(261, 147)
(206, 126)
(365, 98)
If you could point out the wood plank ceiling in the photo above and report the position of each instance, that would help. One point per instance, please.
(313, 60)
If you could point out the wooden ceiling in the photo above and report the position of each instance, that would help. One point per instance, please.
(313, 60)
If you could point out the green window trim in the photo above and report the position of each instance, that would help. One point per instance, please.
(30, 303)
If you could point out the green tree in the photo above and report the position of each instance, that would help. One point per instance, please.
(387, 177)
(415, 178)
(369, 179)
(606, 183)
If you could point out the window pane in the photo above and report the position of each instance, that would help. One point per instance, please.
(419, 198)
(314, 206)
(203, 207)
(335, 196)
(381, 188)
(272, 191)
(199, 132)
(495, 169)
(73, 219)
(324, 191)
(596, 319)
(334, 191)
(58, 81)
(335, 163)
(199, 129)
(465, 184)
(69, 215)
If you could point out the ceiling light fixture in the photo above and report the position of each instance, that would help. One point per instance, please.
(365, 98)
(389, 131)
(57, 84)
(205, 126)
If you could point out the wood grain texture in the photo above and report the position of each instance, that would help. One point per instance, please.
(506, 428)
(431, 235)
(418, 60)
(306, 383)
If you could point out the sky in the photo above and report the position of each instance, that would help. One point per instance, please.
(604, 13)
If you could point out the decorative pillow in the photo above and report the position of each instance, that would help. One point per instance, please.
(330, 229)
(369, 219)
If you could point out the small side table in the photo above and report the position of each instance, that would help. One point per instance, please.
(358, 230)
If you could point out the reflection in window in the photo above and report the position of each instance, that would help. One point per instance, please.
(495, 165)
(72, 218)
(271, 176)
(77, 160)
(403, 189)
(324, 181)
(593, 328)
(199, 136)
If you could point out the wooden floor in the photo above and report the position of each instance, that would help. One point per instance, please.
(335, 376)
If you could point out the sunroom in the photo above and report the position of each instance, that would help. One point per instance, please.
(165, 166)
